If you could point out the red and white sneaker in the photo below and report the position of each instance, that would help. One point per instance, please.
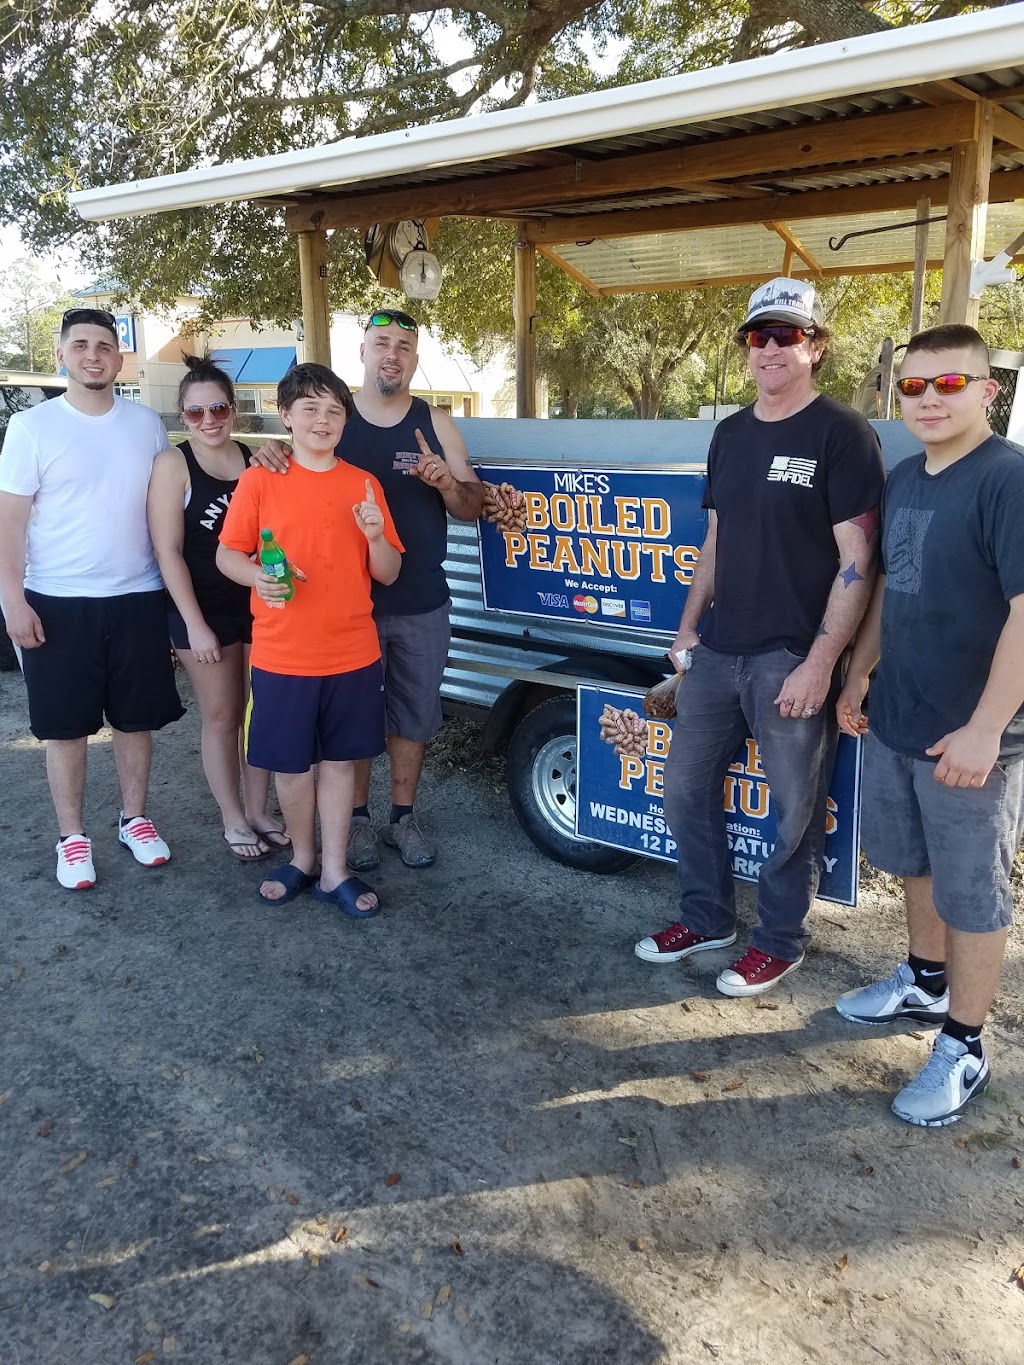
(755, 973)
(677, 942)
(75, 871)
(140, 836)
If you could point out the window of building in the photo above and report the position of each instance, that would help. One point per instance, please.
(133, 392)
(245, 400)
(268, 401)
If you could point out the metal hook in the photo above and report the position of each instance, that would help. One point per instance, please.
(835, 244)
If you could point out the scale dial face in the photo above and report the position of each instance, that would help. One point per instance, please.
(421, 275)
(405, 237)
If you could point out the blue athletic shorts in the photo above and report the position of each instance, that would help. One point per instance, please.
(293, 722)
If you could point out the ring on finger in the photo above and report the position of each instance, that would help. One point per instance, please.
(809, 711)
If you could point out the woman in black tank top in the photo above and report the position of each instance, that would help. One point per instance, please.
(209, 620)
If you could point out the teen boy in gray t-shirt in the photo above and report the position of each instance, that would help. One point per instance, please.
(943, 795)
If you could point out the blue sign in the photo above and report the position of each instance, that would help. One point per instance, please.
(125, 324)
(618, 546)
(619, 799)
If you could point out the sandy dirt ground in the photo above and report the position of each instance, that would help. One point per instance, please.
(474, 1131)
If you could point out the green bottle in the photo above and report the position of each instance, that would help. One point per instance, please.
(274, 562)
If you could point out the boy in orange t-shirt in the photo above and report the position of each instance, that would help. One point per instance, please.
(317, 682)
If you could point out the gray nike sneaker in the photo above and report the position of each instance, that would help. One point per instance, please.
(945, 1085)
(411, 842)
(362, 855)
(897, 997)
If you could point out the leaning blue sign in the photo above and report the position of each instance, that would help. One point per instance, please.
(619, 799)
(618, 545)
(125, 324)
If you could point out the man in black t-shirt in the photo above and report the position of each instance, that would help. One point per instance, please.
(783, 579)
(943, 802)
(420, 458)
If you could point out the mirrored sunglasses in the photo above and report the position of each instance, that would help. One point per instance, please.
(943, 384)
(782, 336)
(195, 412)
(385, 317)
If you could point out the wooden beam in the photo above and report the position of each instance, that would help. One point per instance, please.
(924, 209)
(524, 308)
(969, 174)
(1007, 127)
(943, 92)
(761, 277)
(571, 270)
(316, 324)
(796, 245)
(1005, 187)
(876, 135)
(787, 260)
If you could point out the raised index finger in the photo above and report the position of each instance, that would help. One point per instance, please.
(369, 492)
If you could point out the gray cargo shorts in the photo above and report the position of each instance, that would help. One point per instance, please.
(964, 838)
(414, 651)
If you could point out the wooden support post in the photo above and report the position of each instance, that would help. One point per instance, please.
(316, 323)
(969, 172)
(924, 208)
(524, 309)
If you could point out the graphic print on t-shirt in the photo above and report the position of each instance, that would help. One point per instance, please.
(215, 512)
(904, 548)
(791, 469)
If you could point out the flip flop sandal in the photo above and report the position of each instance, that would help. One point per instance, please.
(258, 843)
(346, 894)
(294, 881)
(277, 838)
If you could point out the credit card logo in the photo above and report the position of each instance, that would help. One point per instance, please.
(613, 606)
(639, 611)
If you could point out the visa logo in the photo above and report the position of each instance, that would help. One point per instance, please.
(554, 599)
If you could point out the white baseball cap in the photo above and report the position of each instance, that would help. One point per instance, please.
(794, 302)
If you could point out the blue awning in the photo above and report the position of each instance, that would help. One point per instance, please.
(256, 365)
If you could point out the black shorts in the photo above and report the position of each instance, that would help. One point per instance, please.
(229, 630)
(103, 657)
(293, 721)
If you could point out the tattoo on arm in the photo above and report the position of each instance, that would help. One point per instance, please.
(849, 575)
(868, 523)
(821, 631)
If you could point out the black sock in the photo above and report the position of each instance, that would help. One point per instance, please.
(968, 1034)
(364, 811)
(930, 976)
(398, 811)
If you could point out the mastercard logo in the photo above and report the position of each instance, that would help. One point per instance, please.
(586, 604)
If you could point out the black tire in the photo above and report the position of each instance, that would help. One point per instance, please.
(8, 658)
(541, 776)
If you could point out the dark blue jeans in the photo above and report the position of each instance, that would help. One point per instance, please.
(723, 699)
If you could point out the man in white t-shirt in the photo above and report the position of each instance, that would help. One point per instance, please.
(80, 589)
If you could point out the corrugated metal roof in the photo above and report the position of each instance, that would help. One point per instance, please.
(874, 107)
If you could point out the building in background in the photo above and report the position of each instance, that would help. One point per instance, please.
(256, 358)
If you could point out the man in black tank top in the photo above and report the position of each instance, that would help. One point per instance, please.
(420, 458)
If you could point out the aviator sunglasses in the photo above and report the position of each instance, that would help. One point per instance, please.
(782, 336)
(943, 384)
(403, 320)
(197, 411)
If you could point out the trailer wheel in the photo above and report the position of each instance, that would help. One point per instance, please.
(541, 777)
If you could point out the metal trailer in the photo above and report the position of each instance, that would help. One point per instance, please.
(519, 674)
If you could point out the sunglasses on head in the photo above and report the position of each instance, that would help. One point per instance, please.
(99, 316)
(943, 384)
(781, 335)
(385, 317)
(195, 412)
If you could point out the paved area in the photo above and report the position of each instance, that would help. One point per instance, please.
(473, 1130)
